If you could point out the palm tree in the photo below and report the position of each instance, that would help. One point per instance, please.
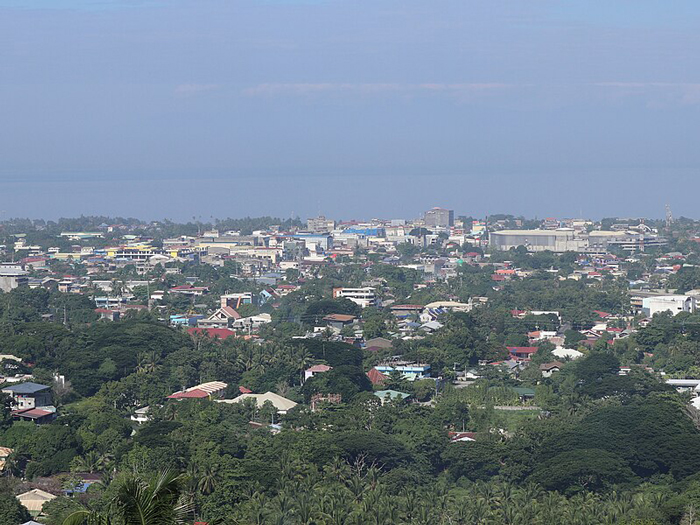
(256, 510)
(480, 511)
(357, 486)
(410, 502)
(91, 462)
(206, 479)
(13, 465)
(170, 412)
(85, 517)
(147, 362)
(304, 508)
(155, 501)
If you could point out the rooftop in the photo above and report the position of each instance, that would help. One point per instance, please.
(342, 318)
(26, 388)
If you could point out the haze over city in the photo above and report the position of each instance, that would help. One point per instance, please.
(350, 108)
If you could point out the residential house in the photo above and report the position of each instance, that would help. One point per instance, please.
(462, 437)
(339, 321)
(188, 289)
(548, 369)
(111, 302)
(285, 289)
(566, 353)
(34, 501)
(522, 353)
(107, 314)
(266, 295)
(525, 394)
(378, 343)
(390, 395)
(282, 404)
(140, 415)
(185, 320)
(224, 317)
(406, 310)
(207, 390)
(38, 416)
(214, 333)
(411, 371)
(431, 326)
(434, 310)
(316, 369)
(541, 335)
(4, 454)
(376, 377)
(252, 323)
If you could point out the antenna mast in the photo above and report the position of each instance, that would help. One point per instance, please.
(669, 216)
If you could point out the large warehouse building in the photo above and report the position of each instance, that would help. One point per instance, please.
(564, 240)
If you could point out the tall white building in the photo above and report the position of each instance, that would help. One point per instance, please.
(363, 297)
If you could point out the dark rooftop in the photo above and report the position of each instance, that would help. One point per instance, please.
(26, 388)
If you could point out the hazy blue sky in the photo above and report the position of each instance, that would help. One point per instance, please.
(355, 108)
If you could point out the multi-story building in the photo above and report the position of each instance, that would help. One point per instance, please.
(235, 300)
(12, 277)
(439, 218)
(668, 303)
(29, 395)
(320, 224)
(568, 239)
(363, 297)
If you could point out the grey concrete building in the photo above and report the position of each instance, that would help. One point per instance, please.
(439, 218)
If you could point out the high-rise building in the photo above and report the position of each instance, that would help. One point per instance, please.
(320, 224)
(440, 218)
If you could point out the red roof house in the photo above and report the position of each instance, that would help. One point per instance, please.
(191, 394)
(522, 353)
(221, 333)
(376, 377)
